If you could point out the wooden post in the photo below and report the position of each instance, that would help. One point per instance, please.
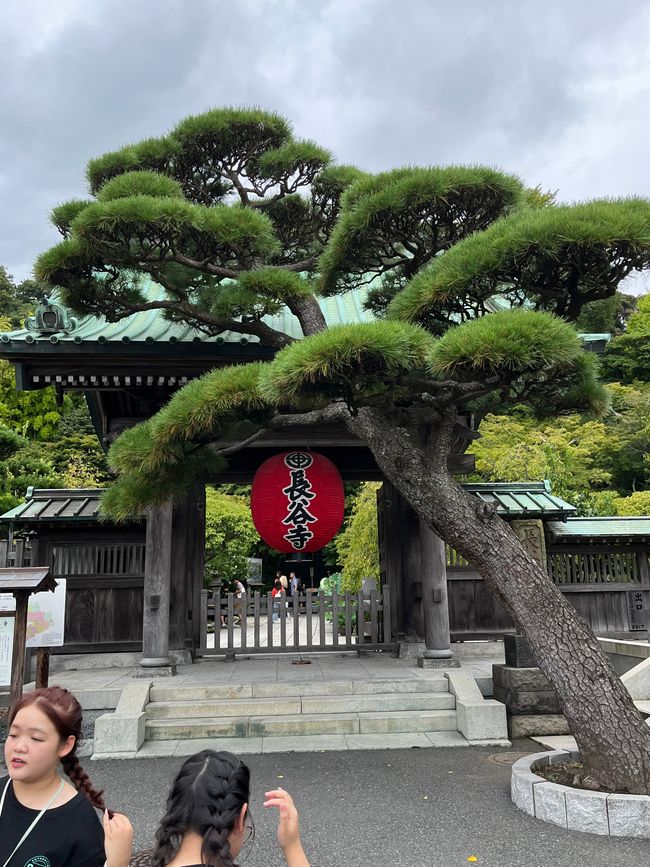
(42, 667)
(18, 653)
(435, 605)
(157, 581)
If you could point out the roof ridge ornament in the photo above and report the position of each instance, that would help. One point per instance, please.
(50, 318)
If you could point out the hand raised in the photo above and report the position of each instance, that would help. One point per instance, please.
(288, 831)
(118, 840)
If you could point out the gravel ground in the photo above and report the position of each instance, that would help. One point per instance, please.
(385, 808)
(388, 808)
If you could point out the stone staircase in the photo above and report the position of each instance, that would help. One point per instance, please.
(267, 710)
(158, 719)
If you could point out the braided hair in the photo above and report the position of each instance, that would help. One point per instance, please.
(64, 712)
(206, 797)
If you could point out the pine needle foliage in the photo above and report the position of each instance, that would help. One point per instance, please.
(553, 258)
(225, 133)
(152, 154)
(402, 219)
(204, 411)
(291, 157)
(141, 183)
(156, 225)
(348, 361)
(512, 341)
(62, 215)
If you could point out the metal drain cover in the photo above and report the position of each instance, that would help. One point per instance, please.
(507, 758)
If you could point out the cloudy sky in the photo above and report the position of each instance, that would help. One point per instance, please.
(556, 91)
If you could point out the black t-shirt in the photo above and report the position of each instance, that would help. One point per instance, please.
(67, 836)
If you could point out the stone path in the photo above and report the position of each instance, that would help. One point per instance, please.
(104, 685)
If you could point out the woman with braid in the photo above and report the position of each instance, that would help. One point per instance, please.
(46, 821)
(208, 820)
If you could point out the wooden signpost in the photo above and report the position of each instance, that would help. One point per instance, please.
(22, 582)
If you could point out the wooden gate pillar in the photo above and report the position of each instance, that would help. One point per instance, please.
(157, 586)
(187, 570)
(435, 603)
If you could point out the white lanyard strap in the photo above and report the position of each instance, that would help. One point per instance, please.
(34, 823)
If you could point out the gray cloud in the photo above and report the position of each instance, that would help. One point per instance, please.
(554, 91)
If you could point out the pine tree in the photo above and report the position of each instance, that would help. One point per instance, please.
(476, 281)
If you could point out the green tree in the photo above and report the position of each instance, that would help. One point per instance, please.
(588, 462)
(636, 504)
(17, 301)
(607, 316)
(627, 357)
(230, 535)
(357, 546)
(236, 218)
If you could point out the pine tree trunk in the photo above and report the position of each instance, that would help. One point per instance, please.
(613, 739)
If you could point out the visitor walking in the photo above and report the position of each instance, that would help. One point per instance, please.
(275, 593)
(294, 584)
(208, 819)
(45, 820)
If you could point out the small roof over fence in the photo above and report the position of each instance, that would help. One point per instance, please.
(56, 504)
(634, 529)
(521, 499)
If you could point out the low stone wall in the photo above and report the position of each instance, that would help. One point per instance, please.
(602, 813)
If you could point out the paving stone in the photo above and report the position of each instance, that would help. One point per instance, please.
(376, 703)
(550, 804)
(527, 726)
(238, 746)
(521, 791)
(519, 678)
(629, 815)
(587, 811)
(409, 721)
(447, 739)
(388, 741)
(274, 690)
(306, 743)
(155, 749)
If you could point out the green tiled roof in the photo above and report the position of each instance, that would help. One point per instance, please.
(516, 499)
(152, 326)
(521, 499)
(56, 504)
(581, 528)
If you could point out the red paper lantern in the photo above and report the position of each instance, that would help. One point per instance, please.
(297, 501)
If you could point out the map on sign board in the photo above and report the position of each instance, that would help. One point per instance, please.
(45, 615)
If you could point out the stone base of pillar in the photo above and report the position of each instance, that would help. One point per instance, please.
(438, 662)
(181, 657)
(154, 668)
(410, 649)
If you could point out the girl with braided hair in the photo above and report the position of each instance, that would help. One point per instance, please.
(44, 820)
(208, 821)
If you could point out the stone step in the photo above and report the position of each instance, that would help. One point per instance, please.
(277, 689)
(238, 707)
(379, 703)
(298, 725)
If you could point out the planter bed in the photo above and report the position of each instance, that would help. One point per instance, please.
(604, 813)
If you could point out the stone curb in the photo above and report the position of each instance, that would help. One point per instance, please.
(611, 815)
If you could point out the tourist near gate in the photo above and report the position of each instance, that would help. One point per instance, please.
(138, 587)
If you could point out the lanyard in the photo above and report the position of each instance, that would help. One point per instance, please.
(34, 823)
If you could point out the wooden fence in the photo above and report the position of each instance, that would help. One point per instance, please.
(609, 586)
(261, 623)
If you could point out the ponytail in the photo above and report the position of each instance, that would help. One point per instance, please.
(81, 781)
